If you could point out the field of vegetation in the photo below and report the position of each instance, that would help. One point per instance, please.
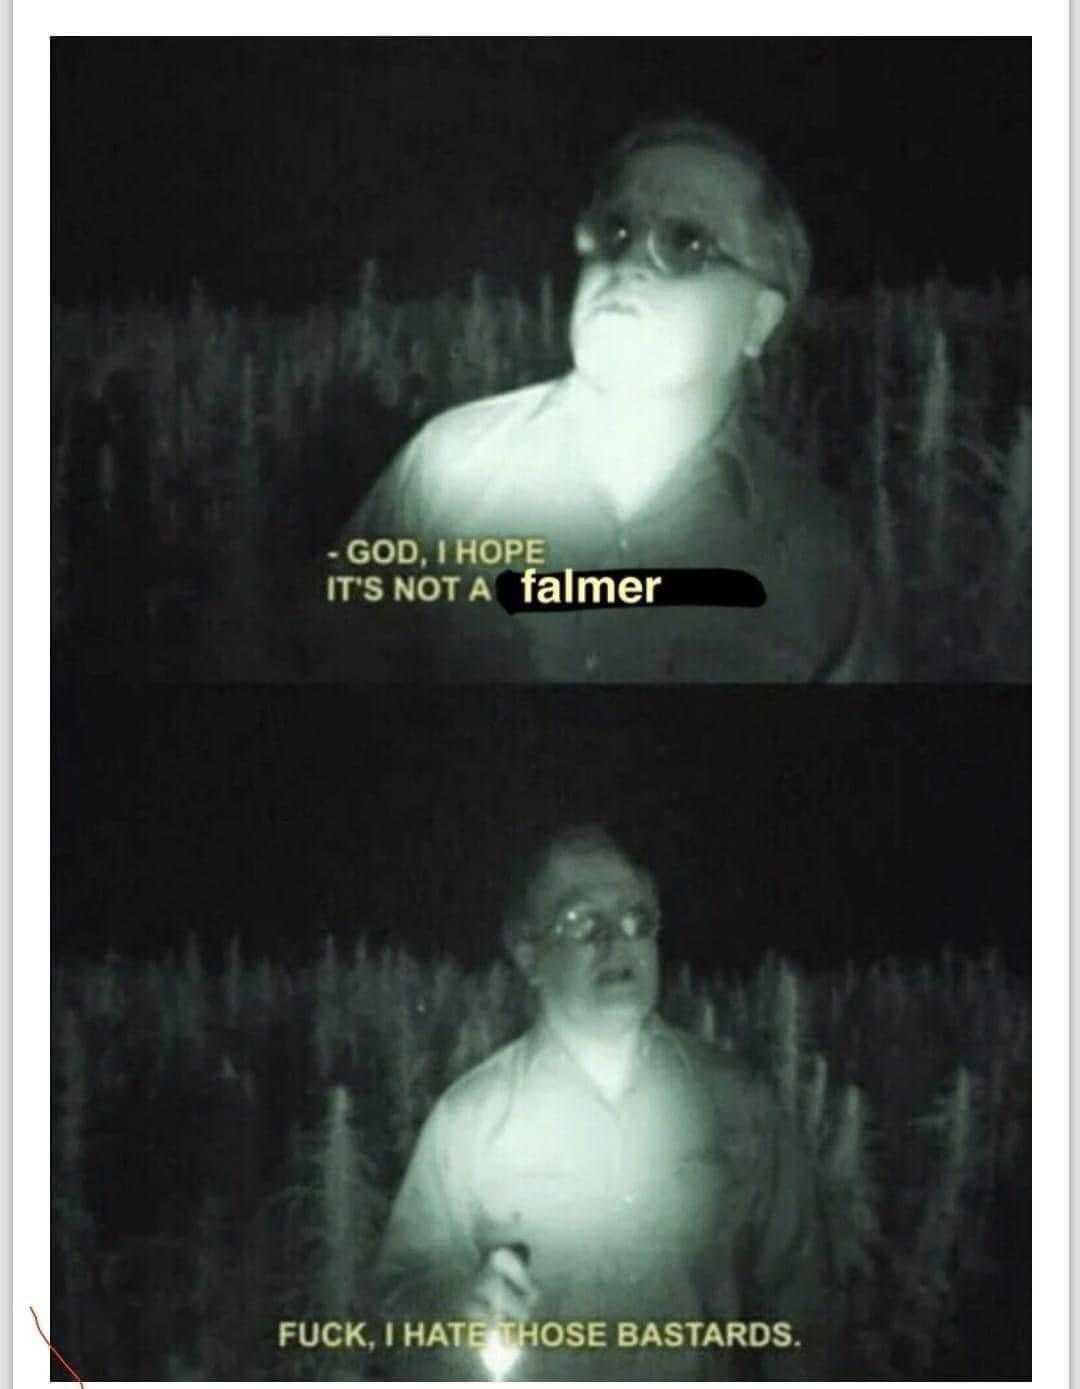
(227, 1136)
(202, 461)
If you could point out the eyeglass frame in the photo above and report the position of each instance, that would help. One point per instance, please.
(558, 930)
(715, 257)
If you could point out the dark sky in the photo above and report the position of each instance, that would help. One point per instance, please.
(271, 168)
(825, 822)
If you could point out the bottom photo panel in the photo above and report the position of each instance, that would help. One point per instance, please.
(524, 1034)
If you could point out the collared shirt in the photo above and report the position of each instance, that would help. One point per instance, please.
(687, 1199)
(513, 466)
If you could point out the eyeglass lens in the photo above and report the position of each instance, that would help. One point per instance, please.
(583, 924)
(676, 245)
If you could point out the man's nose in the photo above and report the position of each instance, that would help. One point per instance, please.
(609, 941)
(636, 261)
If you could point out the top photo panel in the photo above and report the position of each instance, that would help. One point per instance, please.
(541, 360)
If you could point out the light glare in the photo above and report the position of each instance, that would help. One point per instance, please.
(499, 1353)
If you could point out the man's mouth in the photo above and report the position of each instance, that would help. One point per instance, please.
(614, 975)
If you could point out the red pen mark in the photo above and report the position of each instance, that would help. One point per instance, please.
(55, 1352)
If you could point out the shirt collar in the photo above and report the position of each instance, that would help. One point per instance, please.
(543, 1043)
(720, 470)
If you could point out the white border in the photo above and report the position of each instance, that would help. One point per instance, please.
(1047, 23)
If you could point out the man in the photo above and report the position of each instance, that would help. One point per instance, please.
(605, 1167)
(645, 455)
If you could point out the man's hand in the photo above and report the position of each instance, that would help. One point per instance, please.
(503, 1290)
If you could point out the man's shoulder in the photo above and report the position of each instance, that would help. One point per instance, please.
(796, 500)
(449, 459)
(453, 432)
(486, 1084)
(721, 1070)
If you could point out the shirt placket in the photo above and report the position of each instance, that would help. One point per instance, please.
(639, 544)
(589, 634)
(626, 1192)
(613, 1271)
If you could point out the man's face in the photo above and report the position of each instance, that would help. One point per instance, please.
(632, 324)
(606, 985)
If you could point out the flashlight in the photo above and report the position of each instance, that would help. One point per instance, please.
(500, 1353)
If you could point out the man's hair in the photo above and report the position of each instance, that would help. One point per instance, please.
(787, 252)
(517, 924)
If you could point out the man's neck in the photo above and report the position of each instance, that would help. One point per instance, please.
(607, 1059)
(631, 443)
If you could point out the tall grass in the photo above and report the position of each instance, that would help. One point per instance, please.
(203, 461)
(73, 1237)
(270, 1112)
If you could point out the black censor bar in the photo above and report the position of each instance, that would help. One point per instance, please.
(572, 590)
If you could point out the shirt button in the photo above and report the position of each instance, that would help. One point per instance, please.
(623, 544)
(592, 660)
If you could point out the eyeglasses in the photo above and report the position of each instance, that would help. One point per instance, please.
(677, 246)
(586, 925)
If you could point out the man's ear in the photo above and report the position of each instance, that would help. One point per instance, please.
(523, 954)
(768, 309)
